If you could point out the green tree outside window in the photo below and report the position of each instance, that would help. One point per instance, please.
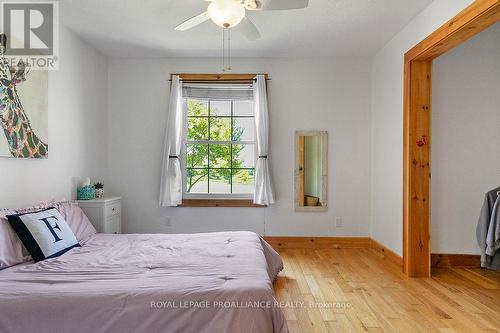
(223, 160)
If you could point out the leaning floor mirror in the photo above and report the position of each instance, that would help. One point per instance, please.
(311, 171)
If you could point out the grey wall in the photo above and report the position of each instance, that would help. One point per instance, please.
(466, 139)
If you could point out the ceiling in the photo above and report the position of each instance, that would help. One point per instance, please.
(145, 28)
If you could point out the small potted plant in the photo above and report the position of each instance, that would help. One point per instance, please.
(99, 189)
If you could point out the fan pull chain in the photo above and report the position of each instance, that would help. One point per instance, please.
(229, 49)
(226, 49)
(223, 49)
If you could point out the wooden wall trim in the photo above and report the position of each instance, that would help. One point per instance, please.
(417, 127)
(439, 260)
(442, 260)
(317, 242)
(386, 253)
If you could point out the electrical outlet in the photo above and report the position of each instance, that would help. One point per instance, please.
(168, 222)
(338, 222)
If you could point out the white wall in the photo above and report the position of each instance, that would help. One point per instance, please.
(387, 121)
(77, 125)
(320, 94)
(466, 139)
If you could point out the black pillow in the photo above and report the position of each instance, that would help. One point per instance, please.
(44, 233)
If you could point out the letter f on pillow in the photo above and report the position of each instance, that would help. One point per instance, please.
(51, 228)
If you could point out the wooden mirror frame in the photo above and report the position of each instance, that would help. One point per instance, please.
(299, 171)
(417, 127)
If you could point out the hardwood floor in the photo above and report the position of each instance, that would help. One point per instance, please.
(355, 290)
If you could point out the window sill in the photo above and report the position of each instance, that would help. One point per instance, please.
(245, 203)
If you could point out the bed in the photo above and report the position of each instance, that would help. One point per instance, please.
(212, 282)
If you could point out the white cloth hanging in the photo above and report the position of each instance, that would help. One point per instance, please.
(263, 194)
(171, 173)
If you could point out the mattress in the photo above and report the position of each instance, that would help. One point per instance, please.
(212, 282)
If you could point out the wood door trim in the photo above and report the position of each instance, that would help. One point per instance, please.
(417, 127)
(472, 20)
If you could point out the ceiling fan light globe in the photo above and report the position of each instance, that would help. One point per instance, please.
(226, 13)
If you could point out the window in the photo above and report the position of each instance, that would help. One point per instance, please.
(219, 147)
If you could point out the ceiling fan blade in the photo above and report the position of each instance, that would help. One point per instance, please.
(192, 22)
(279, 4)
(248, 29)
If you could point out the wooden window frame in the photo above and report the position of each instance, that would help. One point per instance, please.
(417, 127)
(223, 79)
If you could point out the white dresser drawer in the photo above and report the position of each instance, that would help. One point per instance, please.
(105, 214)
(113, 224)
(113, 208)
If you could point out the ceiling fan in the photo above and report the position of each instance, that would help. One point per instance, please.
(229, 13)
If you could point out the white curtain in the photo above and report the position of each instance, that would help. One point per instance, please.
(263, 194)
(171, 173)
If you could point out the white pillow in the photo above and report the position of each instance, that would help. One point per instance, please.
(45, 233)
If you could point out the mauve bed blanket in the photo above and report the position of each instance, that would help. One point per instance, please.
(213, 282)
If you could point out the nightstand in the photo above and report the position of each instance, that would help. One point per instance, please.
(105, 214)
